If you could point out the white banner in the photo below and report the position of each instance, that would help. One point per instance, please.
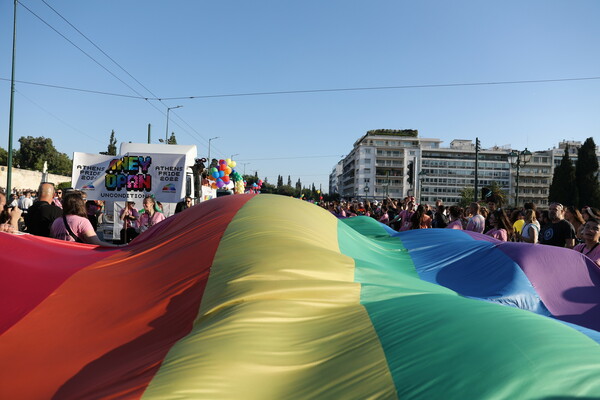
(130, 177)
(207, 193)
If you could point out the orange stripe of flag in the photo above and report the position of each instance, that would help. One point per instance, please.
(105, 331)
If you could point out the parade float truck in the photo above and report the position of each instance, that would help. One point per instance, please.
(139, 170)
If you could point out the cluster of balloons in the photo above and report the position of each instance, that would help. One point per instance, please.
(239, 184)
(222, 175)
(256, 186)
(239, 187)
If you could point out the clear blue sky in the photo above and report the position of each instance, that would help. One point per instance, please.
(198, 48)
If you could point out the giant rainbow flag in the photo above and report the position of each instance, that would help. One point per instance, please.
(268, 297)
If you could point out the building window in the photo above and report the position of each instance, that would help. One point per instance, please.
(367, 170)
(367, 161)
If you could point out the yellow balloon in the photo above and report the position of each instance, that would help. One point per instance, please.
(227, 161)
(232, 164)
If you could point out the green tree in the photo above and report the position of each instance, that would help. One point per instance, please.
(467, 195)
(279, 181)
(34, 151)
(498, 193)
(331, 197)
(298, 186)
(563, 188)
(307, 194)
(250, 179)
(286, 190)
(3, 156)
(289, 183)
(586, 175)
(172, 139)
(268, 188)
(112, 145)
(64, 185)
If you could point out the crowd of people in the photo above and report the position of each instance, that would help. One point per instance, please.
(66, 214)
(558, 226)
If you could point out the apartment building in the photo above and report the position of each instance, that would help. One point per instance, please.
(379, 163)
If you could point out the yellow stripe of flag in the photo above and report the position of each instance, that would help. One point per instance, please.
(280, 317)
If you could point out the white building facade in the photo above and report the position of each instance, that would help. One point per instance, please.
(379, 163)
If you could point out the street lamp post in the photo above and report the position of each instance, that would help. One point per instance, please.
(167, 131)
(387, 183)
(246, 163)
(422, 174)
(231, 158)
(516, 158)
(210, 140)
(366, 192)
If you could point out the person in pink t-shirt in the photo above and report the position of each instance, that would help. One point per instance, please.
(74, 225)
(477, 221)
(591, 237)
(385, 217)
(151, 215)
(406, 214)
(455, 218)
(501, 226)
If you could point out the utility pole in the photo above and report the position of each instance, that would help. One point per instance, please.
(167, 130)
(210, 140)
(149, 134)
(245, 163)
(12, 98)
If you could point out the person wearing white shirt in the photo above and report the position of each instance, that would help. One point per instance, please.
(25, 202)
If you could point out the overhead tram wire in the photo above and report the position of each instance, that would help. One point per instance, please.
(90, 57)
(122, 68)
(289, 158)
(424, 86)
(59, 119)
(99, 49)
(105, 94)
(79, 89)
(102, 66)
(80, 49)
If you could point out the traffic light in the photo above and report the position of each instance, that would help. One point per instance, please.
(485, 193)
(411, 172)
